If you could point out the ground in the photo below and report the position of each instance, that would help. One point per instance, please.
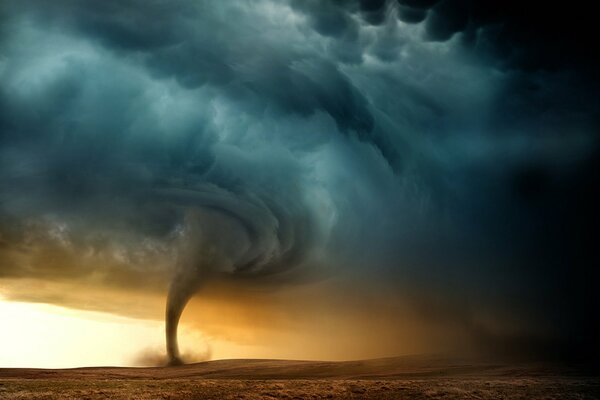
(391, 378)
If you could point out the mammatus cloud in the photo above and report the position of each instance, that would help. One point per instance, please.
(438, 149)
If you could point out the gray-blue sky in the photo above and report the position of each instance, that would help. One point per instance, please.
(398, 143)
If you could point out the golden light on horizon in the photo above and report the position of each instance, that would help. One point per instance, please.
(49, 336)
(38, 335)
(75, 324)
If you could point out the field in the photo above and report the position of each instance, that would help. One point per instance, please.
(390, 378)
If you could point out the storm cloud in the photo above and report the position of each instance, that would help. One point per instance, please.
(443, 152)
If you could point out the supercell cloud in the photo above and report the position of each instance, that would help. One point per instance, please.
(446, 151)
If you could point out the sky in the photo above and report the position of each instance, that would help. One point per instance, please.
(297, 179)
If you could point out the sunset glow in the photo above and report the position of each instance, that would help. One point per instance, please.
(48, 336)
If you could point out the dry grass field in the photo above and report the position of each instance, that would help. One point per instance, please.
(390, 378)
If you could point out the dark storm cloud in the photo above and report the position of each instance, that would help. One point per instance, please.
(329, 18)
(449, 156)
(513, 34)
(411, 15)
(522, 205)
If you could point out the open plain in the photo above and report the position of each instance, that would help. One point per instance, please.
(389, 378)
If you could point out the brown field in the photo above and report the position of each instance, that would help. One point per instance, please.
(390, 378)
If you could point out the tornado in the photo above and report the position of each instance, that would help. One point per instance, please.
(180, 292)
(231, 234)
